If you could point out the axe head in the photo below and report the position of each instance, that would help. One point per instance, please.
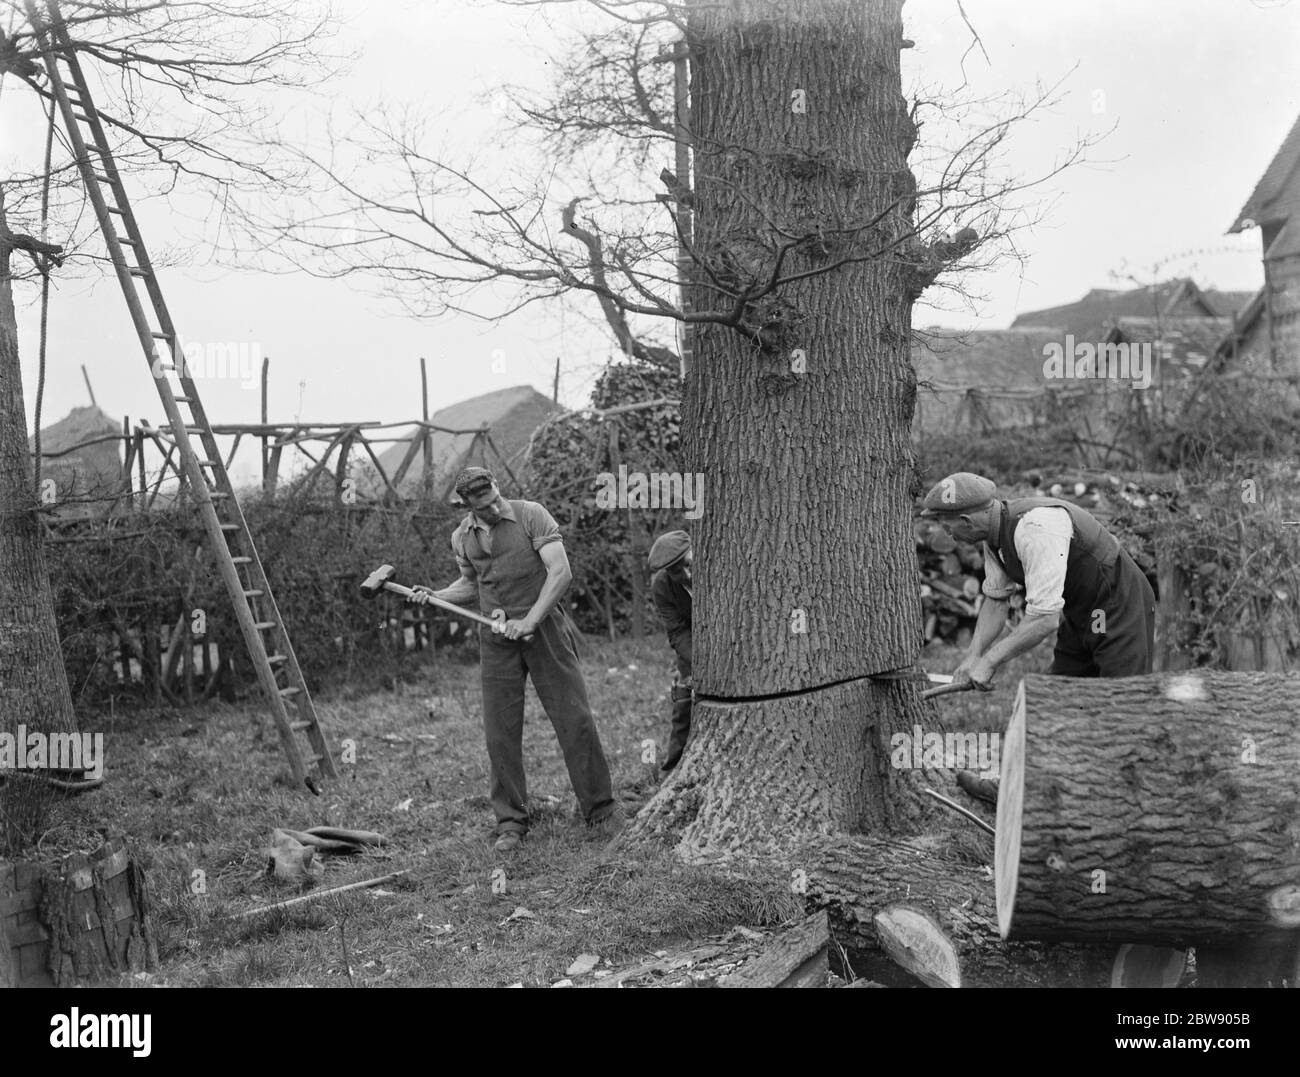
(374, 583)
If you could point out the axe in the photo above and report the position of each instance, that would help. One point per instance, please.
(944, 682)
(382, 580)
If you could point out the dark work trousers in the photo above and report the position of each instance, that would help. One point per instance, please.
(1127, 647)
(551, 660)
(681, 725)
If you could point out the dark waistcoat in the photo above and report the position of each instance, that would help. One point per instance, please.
(1090, 568)
(511, 576)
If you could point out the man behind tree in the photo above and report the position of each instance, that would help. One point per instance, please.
(511, 557)
(1079, 583)
(670, 587)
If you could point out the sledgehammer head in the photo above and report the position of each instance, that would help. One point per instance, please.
(374, 583)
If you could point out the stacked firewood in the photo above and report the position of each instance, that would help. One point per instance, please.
(952, 574)
(1126, 503)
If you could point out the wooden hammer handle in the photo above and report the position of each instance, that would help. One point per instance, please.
(451, 607)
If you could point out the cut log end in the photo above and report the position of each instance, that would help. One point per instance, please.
(1011, 799)
(918, 945)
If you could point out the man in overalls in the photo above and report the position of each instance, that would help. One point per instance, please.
(1079, 584)
(670, 587)
(511, 557)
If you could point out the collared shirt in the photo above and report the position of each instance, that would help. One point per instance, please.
(1043, 544)
(538, 524)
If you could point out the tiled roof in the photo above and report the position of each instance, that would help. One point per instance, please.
(985, 359)
(1092, 316)
(1184, 342)
(1226, 304)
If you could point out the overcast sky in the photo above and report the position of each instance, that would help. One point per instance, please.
(1200, 93)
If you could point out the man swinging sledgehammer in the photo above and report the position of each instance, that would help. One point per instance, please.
(511, 557)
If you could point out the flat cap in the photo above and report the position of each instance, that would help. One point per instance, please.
(471, 478)
(960, 492)
(669, 548)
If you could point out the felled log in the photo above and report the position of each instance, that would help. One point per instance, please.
(855, 877)
(1162, 809)
(795, 958)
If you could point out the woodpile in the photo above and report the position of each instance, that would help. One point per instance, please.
(952, 574)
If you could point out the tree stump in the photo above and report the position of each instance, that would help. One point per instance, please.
(85, 919)
(1162, 809)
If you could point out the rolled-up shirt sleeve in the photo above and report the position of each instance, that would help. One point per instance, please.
(997, 584)
(539, 525)
(463, 563)
(1043, 543)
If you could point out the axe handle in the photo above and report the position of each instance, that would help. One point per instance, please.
(948, 689)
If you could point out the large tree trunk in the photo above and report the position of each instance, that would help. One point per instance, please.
(1161, 810)
(805, 568)
(33, 684)
(799, 420)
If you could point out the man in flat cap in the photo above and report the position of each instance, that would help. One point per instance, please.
(670, 587)
(511, 558)
(1079, 583)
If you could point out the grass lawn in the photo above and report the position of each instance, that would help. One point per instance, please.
(199, 791)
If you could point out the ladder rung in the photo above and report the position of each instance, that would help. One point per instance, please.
(75, 98)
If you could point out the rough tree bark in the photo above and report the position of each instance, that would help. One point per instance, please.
(33, 683)
(799, 419)
(805, 567)
(1161, 809)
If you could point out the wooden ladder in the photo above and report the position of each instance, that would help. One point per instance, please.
(205, 475)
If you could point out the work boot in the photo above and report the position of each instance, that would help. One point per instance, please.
(681, 728)
(608, 824)
(508, 841)
(985, 789)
